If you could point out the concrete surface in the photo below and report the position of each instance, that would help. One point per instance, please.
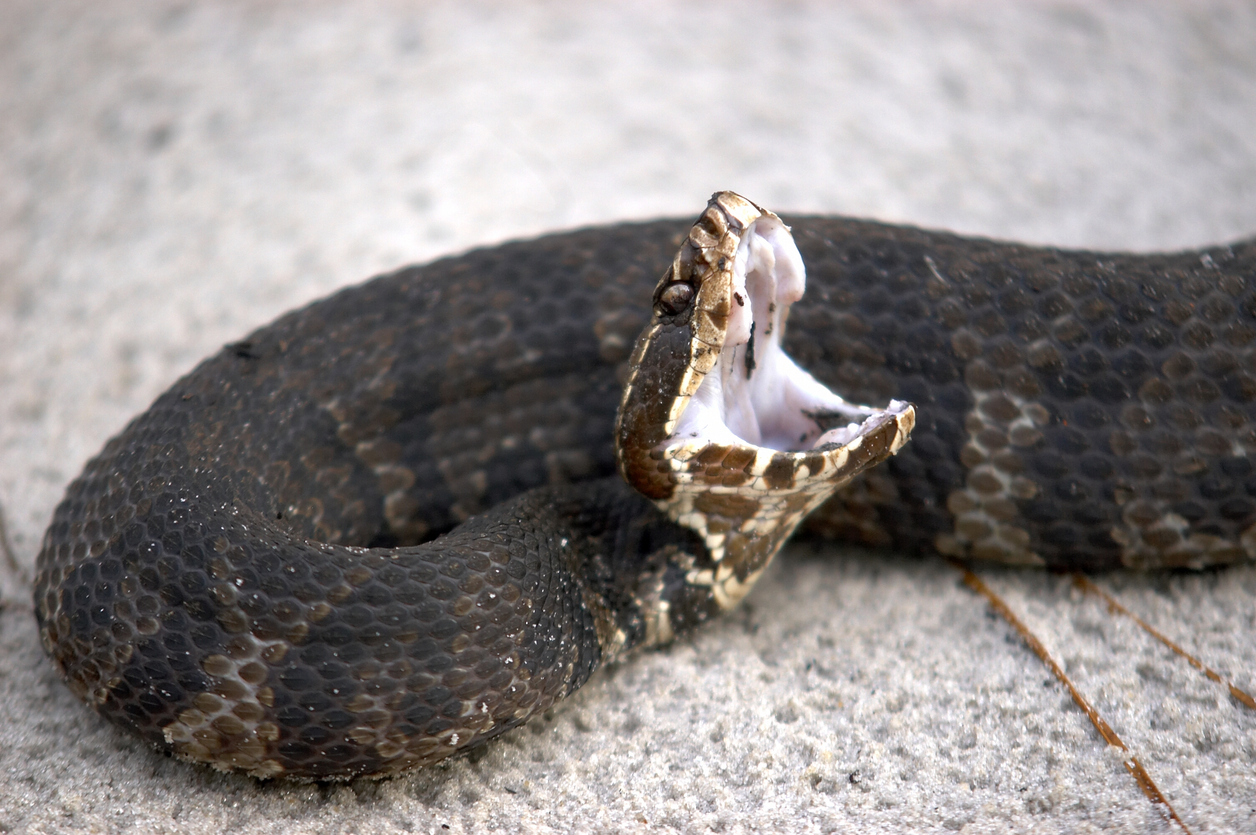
(174, 174)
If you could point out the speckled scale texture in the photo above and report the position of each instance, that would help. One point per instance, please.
(210, 581)
(1075, 409)
(241, 574)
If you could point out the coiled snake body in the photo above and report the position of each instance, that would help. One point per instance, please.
(389, 526)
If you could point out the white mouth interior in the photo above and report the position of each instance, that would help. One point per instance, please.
(755, 394)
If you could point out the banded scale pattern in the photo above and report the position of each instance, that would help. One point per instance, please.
(222, 578)
(1075, 410)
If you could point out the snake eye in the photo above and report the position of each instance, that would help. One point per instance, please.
(675, 298)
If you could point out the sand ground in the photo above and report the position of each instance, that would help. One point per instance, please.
(174, 174)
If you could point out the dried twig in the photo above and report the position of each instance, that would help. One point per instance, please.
(1132, 765)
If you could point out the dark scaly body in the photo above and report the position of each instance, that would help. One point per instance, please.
(1074, 409)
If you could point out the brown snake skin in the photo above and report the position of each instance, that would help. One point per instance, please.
(219, 579)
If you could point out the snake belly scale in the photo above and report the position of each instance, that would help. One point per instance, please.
(393, 524)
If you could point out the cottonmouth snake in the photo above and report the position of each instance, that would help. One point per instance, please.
(388, 526)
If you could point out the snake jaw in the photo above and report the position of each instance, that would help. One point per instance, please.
(709, 372)
(718, 425)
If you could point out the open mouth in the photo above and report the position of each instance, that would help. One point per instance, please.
(747, 444)
(756, 395)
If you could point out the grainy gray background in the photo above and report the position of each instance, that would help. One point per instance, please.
(174, 174)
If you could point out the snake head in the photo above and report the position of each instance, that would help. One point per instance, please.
(717, 424)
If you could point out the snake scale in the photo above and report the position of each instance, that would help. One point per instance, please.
(395, 523)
